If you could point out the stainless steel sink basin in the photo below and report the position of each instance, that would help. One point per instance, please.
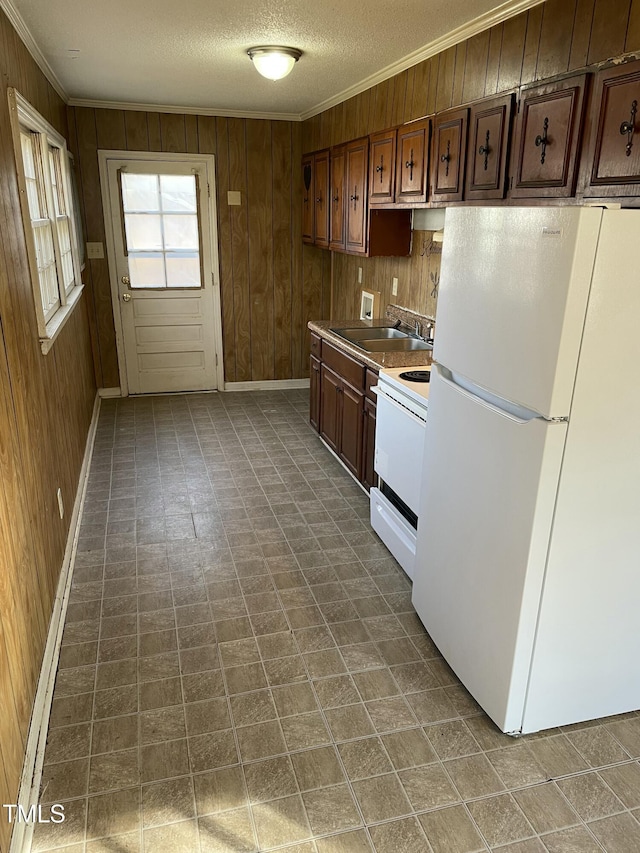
(407, 344)
(376, 333)
(382, 339)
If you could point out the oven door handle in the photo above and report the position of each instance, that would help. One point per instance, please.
(403, 409)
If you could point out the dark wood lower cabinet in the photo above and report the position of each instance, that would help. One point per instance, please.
(350, 450)
(343, 408)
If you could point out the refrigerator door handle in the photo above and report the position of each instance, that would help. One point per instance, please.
(505, 408)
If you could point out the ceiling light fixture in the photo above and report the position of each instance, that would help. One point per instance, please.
(273, 61)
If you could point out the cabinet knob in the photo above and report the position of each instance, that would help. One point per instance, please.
(628, 128)
(380, 168)
(543, 140)
(354, 197)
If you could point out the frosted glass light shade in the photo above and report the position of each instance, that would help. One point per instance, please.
(274, 62)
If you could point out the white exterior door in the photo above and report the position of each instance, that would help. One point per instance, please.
(161, 231)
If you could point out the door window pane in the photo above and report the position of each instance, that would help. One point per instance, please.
(183, 270)
(181, 232)
(147, 270)
(178, 193)
(140, 192)
(144, 232)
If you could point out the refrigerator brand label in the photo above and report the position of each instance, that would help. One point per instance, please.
(552, 232)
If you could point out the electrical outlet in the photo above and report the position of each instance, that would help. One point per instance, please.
(60, 503)
(394, 287)
(234, 199)
(359, 275)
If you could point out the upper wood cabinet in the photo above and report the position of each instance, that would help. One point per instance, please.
(412, 162)
(315, 198)
(449, 153)
(337, 218)
(356, 166)
(548, 134)
(382, 167)
(349, 165)
(321, 194)
(489, 128)
(308, 205)
(614, 152)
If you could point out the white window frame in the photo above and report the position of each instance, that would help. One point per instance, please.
(25, 118)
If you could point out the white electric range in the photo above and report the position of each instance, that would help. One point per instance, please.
(401, 421)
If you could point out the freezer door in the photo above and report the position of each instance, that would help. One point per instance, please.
(489, 483)
(514, 286)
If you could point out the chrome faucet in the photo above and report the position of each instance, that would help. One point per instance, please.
(418, 329)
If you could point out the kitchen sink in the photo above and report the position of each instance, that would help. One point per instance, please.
(382, 339)
(407, 344)
(376, 333)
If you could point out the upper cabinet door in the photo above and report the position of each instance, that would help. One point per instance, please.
(412, 162)
(382, 167)
(615, 133)
(321, 193)
(308, 204)
(449, 153)
(489, 128)
(337, 219)
(548, 135)
(356, 166)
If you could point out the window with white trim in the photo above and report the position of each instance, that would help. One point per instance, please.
(49, 217)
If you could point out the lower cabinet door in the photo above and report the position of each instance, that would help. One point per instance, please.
(330, 394)
(350, 449)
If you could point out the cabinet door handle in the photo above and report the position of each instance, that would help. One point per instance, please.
(629, 127)
(354, 197)
(380, 168)
(409, 164)
(446, 158)
(485, 149)
(543, 140)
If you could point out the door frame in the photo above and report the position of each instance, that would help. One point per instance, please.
(208, 161)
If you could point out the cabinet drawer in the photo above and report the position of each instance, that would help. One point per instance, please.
(316, 344)
(348, 368)
(371, 379)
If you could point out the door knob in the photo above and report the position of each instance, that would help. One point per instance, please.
(126, 297)
(126, 280)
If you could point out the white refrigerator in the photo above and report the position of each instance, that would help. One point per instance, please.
(528, 554)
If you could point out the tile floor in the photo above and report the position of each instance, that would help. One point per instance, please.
(242, 669)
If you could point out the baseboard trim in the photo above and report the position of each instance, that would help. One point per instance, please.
(37, 738)
(106, 393)
(267, 385)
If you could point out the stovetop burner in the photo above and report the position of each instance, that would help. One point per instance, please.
(416, 375)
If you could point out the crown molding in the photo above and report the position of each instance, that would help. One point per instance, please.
(460, 34)
(169, 108)
(17, 22)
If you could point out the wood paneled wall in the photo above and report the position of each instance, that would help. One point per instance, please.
(266, 299)
(45, 411)
(556, 37)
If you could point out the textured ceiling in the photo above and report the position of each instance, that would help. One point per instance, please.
(192, 54)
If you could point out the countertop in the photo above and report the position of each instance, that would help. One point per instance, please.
(375, 360)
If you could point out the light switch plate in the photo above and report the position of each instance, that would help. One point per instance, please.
(95, 250)
(234, 198)
(394, 287)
